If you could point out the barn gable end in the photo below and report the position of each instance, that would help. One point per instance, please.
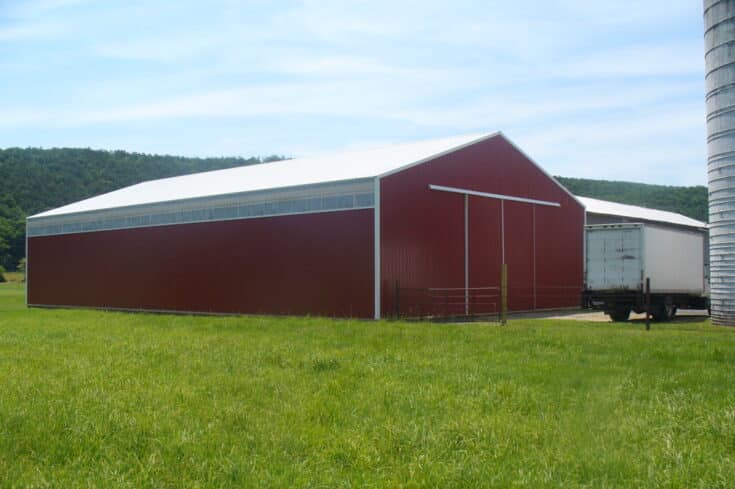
(449, 224)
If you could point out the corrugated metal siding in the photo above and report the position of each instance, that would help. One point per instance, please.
(320, 264)
(519, 255)
(420, 226)
(559, 254)
(422, 237)
(485, 249)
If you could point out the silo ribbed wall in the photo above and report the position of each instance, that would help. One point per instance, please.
(719, 37)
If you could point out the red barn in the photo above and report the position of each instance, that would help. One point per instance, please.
(359, 234)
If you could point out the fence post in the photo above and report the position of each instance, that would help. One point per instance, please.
(503, 294)
(472, 299)
(398, 300)
(648, 304)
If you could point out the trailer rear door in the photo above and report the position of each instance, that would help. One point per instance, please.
(614, 257)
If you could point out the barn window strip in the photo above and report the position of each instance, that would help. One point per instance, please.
(205, 213)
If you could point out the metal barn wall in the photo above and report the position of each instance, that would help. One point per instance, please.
(319, 264)
(422, 230)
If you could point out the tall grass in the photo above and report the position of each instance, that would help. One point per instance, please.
(94, 399)
(14, 277)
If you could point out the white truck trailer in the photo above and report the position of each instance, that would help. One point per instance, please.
(620, 257)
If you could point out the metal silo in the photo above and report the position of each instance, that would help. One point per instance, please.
(719, 40)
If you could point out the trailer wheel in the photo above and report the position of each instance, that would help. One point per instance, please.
(666, 311)
(619, 314)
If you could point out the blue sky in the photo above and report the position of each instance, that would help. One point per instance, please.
(588, 88)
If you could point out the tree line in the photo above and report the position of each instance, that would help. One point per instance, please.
(689, 201)
(35, 180)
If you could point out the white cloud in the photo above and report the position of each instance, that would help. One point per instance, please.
(665, 146)
(35, 8)
(662, 59)
(14, 33)
(157, 49)
(31, 31)
(578, 80)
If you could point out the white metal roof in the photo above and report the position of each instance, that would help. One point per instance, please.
(349, 165)
(596, 206)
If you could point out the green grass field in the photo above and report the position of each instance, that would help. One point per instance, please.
(93, 399)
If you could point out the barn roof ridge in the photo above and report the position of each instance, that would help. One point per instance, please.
(376, 162)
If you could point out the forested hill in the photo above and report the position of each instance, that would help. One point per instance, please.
(34, 180)
(690, 201)
(41, 179)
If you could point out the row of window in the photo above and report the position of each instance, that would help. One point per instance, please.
(239, 211)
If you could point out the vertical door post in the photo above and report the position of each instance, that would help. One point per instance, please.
(503, 294)
(466, 255)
